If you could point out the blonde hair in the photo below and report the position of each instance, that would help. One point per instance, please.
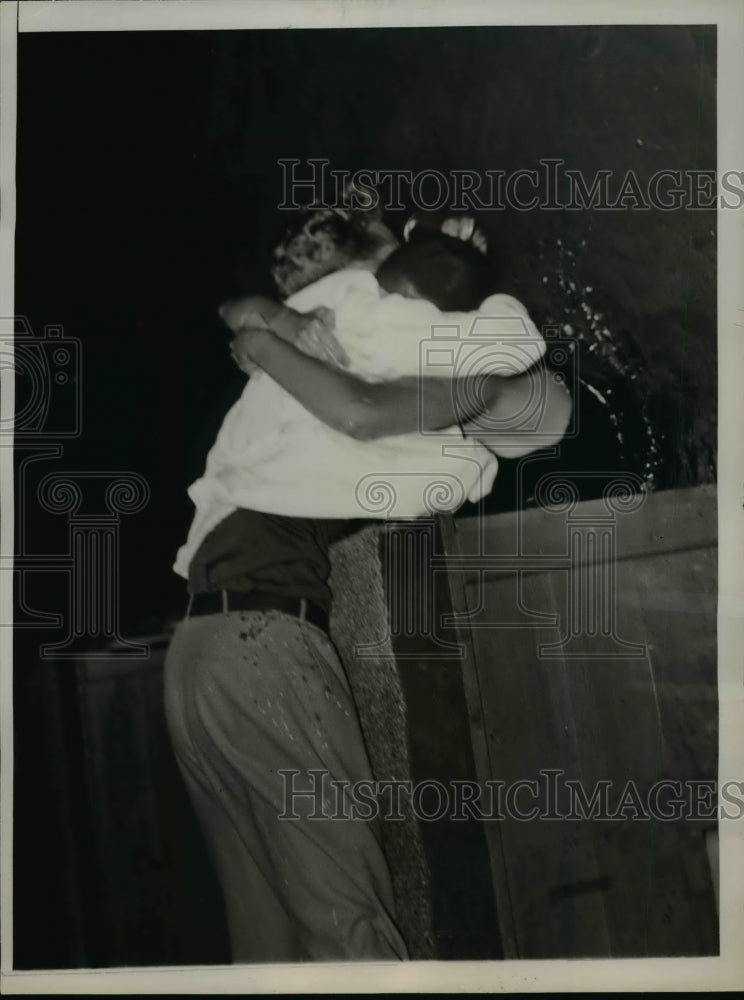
(319, 241)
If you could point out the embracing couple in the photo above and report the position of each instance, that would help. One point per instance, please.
(349, 379)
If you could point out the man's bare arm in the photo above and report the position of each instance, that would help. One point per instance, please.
(366, 410)
(537, 398)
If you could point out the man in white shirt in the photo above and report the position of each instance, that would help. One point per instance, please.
(254, 686)
(272, 455)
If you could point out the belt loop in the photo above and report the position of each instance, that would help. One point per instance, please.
(188, 606)
(303, 609)
(224, 602)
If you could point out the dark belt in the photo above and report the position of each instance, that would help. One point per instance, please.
(214, 602)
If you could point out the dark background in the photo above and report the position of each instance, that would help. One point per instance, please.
(147, 186)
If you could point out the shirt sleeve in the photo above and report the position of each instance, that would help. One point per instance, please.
(383, 334)
(390, 336)
(332, 290)
(321, 318)
(498, 339)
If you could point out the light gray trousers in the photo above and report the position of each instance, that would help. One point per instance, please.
(250, 694)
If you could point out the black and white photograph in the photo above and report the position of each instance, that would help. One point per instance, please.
(370, 570)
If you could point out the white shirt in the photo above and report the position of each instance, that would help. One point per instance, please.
(272, 455)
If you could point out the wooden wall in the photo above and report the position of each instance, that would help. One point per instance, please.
(596, 658)
(579, 638)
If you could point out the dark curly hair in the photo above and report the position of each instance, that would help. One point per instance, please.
(451, 273)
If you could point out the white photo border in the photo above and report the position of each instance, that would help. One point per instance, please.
(685, 974)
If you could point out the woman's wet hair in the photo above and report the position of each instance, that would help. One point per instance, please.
(319, 241)
(452, 274)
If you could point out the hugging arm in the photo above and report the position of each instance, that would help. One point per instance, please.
(500, 425)
(367, 411)
(312, 332)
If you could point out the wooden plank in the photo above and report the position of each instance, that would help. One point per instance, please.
(539, 534)
(551, 868)
(481, 757)
(600, 705)
(467, 924)
(550, 896)
(676, 597)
